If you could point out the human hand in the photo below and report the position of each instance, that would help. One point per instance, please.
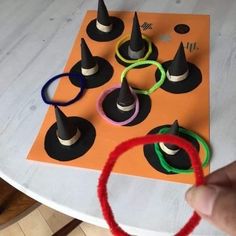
(216, 201)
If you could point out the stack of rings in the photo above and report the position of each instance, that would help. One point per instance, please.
(172, 169)
(104, 116)
(129, 61)
(45, 97)
(147, 62)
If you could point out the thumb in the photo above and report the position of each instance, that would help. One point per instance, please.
(215, 204)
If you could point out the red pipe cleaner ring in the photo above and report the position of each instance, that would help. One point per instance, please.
(125, 146)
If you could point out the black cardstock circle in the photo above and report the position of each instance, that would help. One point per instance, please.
(180, 160)
(104, 74)
(193, 80)
(123, 49)
(97, 35)
(110, 108)
(182, 29)
(60, 152)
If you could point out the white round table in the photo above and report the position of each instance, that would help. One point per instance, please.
(35, 40)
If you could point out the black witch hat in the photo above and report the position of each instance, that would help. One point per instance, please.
(182, 76)
(136, 48)
(69, 137)
(96, 70)
(104, 27)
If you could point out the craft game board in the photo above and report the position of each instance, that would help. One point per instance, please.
(191, 109)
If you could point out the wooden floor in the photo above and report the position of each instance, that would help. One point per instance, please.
(44, 221)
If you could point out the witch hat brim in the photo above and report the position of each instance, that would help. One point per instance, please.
(192, 81)
(180, 160)
(107, 107)
(104, 74)
(66, 153)
(97, 35)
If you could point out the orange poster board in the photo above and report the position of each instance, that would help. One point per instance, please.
(191, 109)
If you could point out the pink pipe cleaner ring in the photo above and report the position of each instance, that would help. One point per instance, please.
(105, 117)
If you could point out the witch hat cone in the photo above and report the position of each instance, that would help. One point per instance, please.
(171, 149)
(67, 132)
(88, 63)
(136, 48)
(103, 22)
(126, 100)
(179, 69)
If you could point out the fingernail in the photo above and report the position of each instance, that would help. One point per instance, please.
(202, 198)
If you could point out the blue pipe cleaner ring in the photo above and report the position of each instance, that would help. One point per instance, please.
(44, 89)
